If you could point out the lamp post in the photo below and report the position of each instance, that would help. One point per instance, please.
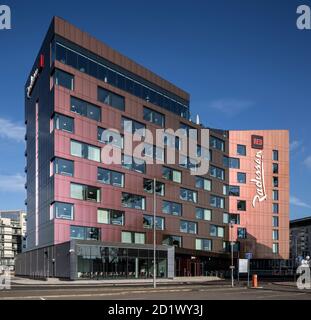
(232, 258)
(154, 233)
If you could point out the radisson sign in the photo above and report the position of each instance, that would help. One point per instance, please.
(35, 76)
(259, 180)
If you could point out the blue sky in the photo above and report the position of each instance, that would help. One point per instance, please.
(244, 62)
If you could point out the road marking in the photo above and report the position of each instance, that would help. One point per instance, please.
(41, 298)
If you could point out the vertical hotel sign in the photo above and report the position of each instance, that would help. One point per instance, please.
(259, 180)
(34, 77)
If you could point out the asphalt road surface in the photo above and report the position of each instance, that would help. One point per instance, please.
(269, 291)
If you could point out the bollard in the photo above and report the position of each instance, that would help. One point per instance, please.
(255, 281)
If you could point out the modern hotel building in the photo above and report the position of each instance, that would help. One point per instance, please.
(89, 219)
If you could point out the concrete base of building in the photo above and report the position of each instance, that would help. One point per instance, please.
(78, 260)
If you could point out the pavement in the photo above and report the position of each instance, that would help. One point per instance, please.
(195, 290)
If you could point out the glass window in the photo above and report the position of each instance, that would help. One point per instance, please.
(113, 178)
(275, 208)
(231, 218)
(133, 201)
(202, 183)
(83, 192)
(275, 168)
(110, 137)
(172, 208)
(64, 79)
(63, 123)
(172, 241)
(216, 231)
(203, 244)
(233, 163)
(149, 185)
(275, 182)
(133, 237)
(133, 164)
(217, 173)
(63, 210)
(153, 152)
(275, 235)
(242, 233)
(233, 191)
(188, 227)
(171, 174)
(85, 109)
(148, 222)
(109, 216)
(83, 150)
(188, 195)
(112, 99)
(275, 222)
(275, 195)
(83, 64)
(275, 248)
(84, 233)
(241, 177)
(203, 214)
(132, 126)
(154, 117)
(217, 143)
(241, 150)
(275, 155)
(217, 202)
(241, 205)
(63, 167)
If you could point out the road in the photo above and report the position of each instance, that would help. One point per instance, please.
(173, 292)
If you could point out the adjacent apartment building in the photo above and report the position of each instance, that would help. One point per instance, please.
(12, 236)
(91, 219)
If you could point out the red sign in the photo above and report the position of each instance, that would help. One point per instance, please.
(257, 142)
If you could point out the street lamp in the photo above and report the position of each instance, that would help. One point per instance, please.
(232, 260)
(154, 233)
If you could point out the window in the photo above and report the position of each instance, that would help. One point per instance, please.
(110, 137)
(275, 248)
(242, 233)
(132, 126)
(86, 151)
(84, 233)
(64, 79)
(275, 168)
(241, 205)
(217, 202)
(188, 195)
(63, 167)
(172, 208)
(149, 185)
(230, 218)
(275, 155)
(85, 109)
(133, 164)
(204, 153)
(275, 195)
(172, 241)
(275, 235)
(133, 201)
(188, 163)
(203, 214)
(216, 231)
(203, 244)
(188, 227)
(186, 127)
(171, 174)
(154, 117)
(112, 99)
(113, 178)
(83, 192)
(148, 222)
(153, 152)
(217, 143)
(275, 208)
(109, 216)
(241, 150)
(133, 237)
(241, 177)
(275, 222)
(217, 173)
(63, 210)
(233, 191)
(63, 123)
(275, 181)
(232, 163)
(202, 183)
